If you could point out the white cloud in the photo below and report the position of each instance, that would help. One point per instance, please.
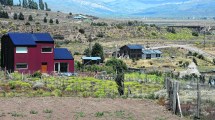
(93, 4)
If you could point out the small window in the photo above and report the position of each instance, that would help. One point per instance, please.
(21, 65)
(21, 50)
(47, 50)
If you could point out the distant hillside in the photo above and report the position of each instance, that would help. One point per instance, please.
(135, 8)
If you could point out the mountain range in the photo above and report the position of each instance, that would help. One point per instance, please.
(136, 8)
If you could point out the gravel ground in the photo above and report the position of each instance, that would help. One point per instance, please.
(69, 108)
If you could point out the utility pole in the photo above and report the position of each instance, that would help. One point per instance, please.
(204, 38)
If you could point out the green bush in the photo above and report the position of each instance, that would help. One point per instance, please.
(37, 74)
(201, 57)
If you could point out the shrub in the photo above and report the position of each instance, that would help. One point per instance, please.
(30, 18)
(82, 31)
(195, 61)
(45, 20)
(214, 61)
(57, 93)
(37, 74)
(27, 23)
(201, 57)
(21, 16)
(51, 21)
(195, 34)
(195, 54)
(33, 112)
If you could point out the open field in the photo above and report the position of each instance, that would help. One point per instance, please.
(55, 108)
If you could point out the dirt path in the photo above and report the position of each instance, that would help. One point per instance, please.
(81, 108)
(190, 48)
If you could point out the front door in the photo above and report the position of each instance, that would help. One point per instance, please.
(44, 67)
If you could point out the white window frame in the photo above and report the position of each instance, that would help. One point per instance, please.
(23, 50)
(59, 66)
(46, 52)
(22, 64)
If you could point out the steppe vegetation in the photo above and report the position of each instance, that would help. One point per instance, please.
(78, 35)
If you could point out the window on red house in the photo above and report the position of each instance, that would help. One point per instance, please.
(47, 50)
(21, 50)
(21, 65)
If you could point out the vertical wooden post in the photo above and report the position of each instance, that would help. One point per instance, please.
(198, 100)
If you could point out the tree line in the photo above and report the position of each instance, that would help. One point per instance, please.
(31, 4)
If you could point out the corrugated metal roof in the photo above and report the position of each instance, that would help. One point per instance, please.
(91, 58)
(158, 51)
(135, 46)
(152, 52)
(62, 54)
(29, 39)
(149, 52)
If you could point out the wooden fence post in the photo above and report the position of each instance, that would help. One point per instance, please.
(198, 100)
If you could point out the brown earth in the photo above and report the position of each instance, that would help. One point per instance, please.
(70, 108)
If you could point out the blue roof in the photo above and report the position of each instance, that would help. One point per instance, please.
(43, 37)
(135, 46)
(91, 58)
(29, 39)
(62, 54)
(22, 39)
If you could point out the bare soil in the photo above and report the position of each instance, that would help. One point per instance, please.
(71, 108)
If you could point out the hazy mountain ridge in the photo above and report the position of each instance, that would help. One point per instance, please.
(136, 8)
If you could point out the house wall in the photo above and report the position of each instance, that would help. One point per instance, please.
(133, 53)
(7, 54)
(34, 58)
(71, 64)
(152, 56)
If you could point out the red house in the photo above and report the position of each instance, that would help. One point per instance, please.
(30, 52)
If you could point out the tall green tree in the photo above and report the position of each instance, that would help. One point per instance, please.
(32, 4)
(41, 5)
(7, 2)
(47, 8)
(25, 3)
(97, 51)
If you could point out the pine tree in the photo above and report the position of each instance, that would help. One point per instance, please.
(97, 51)
(57, 22)
(10, 2)
(51, 21)
(41, 5)
(45, 20)
(21, 16)
(25, 4)
(15, 16)
(47, 8)
(30, 18)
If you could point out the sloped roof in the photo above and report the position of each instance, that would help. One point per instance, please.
(62, 54)
(91, 58)
(135, 46)
(149, 52)
(158, 51)
(43, 37)
(29, 39)
(152, 52)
